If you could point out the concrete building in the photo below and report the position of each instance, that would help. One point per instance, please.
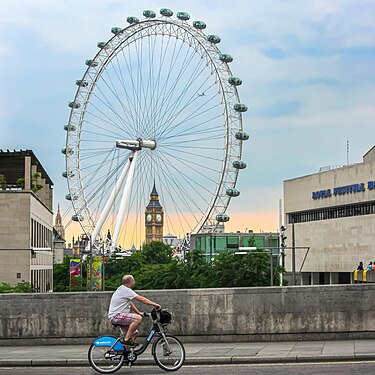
(26, 221)
(333, 212)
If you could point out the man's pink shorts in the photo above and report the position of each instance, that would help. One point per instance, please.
(122, 319)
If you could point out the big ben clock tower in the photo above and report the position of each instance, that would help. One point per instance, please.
(154, 218)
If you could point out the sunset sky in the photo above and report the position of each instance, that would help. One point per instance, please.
(307, 69)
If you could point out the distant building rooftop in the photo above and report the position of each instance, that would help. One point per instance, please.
(12, 165)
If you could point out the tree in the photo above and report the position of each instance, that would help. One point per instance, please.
(22, 287)
(233, 270)
(3, 182)
(157, 252)
(35, 186)
(61, 276)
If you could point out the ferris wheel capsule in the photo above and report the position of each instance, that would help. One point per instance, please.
(166, 12)
(235, 81)
(213, 39)
(183, 16)
(149, 13)
(116, 30)
(74, 105)
(200, 25)
(225, 57)
(232, 192)
(222, 218)
(82, 83)
(103, 45)
(69, 128)
(92, 63)
(77, 217)
(242, 136)
(132, 20)
(240, 107)
(69, 197)
(239, 164)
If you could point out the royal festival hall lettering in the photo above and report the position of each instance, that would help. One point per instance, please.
(348, 189)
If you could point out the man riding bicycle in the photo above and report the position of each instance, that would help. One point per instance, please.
(124, 313)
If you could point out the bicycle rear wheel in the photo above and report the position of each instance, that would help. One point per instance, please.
(169, 353)
(104, 360)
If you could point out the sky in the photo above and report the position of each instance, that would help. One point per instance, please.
(307, 69)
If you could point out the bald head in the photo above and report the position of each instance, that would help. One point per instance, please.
(128, 280)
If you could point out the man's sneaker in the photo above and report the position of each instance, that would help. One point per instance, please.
(129, 342)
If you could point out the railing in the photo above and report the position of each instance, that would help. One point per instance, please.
(365, 276)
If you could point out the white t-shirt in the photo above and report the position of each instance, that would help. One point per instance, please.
(120, 301)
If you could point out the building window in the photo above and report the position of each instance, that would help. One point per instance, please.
(18, 275)
(357, 209)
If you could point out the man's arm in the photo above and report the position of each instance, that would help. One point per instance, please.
(147, 301)
(134, 309)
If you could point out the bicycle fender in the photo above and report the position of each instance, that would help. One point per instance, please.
(108, 341)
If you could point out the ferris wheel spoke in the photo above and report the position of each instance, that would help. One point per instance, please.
(202, 156)
(102, 135)
(188, 131)
(163, 158)
(189, 164)
(154, 124)
(162, 105)
(106, 103)
(172, 194)
(102, 121)
(109, 120)
(192, 115)
(127, 112)
(175, 108)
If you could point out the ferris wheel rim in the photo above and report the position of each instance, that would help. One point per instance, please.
(231, 178)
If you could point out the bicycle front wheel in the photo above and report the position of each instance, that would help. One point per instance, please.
(169, 353)
(104, 360)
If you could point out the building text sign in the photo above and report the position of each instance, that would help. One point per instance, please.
(348, 189)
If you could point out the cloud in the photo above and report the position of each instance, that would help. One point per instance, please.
(307, 69)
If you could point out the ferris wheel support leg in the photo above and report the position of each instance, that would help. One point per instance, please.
(125, 198)
(110, 201)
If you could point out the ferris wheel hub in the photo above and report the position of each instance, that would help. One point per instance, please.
(136, 145)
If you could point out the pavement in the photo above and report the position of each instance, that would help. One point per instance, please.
(203, 353)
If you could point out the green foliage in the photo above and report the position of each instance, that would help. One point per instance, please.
(6, 288)
(157, 252)
(154, 267)
(3, 182)
(61, 276)
(35, 186)
(231, 270)
(22, 287)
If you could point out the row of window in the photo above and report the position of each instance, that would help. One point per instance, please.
(357, 209)
(41, 236)
(224, 243)
(41, 280)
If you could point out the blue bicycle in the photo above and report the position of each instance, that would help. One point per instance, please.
(107, 354)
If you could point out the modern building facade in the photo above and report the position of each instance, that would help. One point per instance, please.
(26, 221)
(212, 244)
(333, 215)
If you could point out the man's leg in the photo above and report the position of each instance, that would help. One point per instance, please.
(137, 319)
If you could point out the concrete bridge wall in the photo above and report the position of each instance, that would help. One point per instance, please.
(239, 314)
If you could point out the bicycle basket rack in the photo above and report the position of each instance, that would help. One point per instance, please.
(165, 316)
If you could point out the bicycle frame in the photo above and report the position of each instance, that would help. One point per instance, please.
(156, 328)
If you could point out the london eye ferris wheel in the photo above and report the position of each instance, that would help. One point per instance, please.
(158, 104)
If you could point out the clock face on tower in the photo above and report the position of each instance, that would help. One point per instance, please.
(158, 217)
(148, 217)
